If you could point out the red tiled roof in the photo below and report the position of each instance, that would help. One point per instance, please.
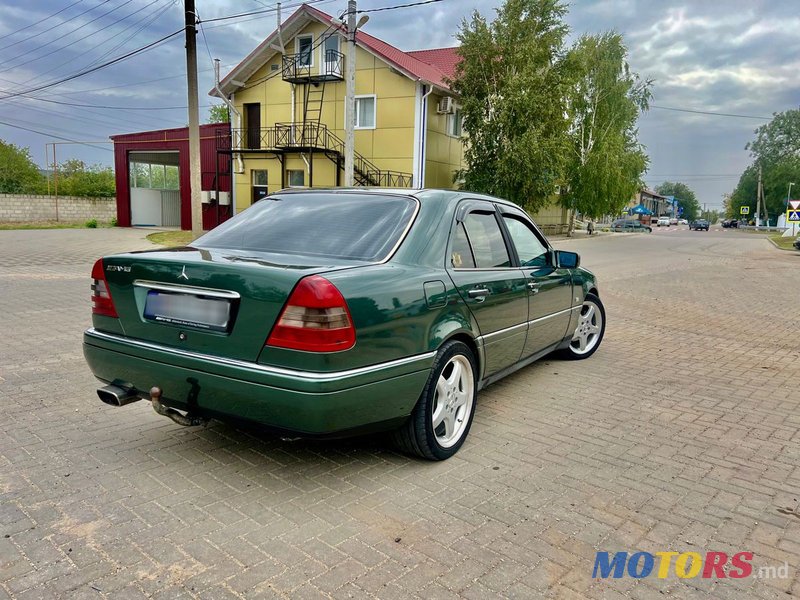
(445, 59)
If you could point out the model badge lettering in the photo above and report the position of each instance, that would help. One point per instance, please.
(121, 268)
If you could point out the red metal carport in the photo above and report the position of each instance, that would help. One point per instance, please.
(215, 170)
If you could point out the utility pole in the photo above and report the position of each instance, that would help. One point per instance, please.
(194, 118)
(350, 96)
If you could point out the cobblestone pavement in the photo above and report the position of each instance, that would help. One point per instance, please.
(680, 434)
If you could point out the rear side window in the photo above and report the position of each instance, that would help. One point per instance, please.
(486, 240)
(350, 226)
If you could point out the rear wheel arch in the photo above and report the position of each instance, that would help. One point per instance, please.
(470, 342)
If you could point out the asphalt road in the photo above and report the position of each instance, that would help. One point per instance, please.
(680, 434)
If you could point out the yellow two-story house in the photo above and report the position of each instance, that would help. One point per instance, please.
(288, 123)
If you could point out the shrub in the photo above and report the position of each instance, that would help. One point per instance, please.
(113, 222)
(91, 223)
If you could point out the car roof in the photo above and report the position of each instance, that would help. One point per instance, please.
(423, 194)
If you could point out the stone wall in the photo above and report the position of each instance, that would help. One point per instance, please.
(69, 209)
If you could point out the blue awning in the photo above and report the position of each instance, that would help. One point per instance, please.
(641, 209)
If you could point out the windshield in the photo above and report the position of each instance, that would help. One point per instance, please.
(357, 226)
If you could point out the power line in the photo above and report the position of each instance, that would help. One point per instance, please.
(40, 21)
(93, 69)
(152, 15)
(369, 10)
(55, 136)
(706, 112)
(257, 12)
(56, 25)
(108, 12)
(79, 104)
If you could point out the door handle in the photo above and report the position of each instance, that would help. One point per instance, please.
(533, 287)
(479, 293)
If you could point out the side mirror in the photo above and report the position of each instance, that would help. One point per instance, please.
(567, 260)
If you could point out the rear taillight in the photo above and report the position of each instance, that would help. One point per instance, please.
(102, 304)
(315, 319)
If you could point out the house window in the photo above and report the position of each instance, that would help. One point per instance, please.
(365, 112)
(305, 54)
(454, 123)
(296, 177)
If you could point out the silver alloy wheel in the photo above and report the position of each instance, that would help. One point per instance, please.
(452, 404)
(587, 333)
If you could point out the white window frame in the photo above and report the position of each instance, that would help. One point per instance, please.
(311, 52)
(323, 50)
(451, 118)
(375, 107)
(289, 177)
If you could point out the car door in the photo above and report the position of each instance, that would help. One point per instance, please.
(492, 286)
(550, 298)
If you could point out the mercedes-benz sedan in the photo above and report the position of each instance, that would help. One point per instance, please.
(337, 312)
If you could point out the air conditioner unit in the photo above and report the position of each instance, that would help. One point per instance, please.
(446, 106)
(224, 198)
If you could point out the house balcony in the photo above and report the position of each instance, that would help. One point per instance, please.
(309, 137)
(298, 68)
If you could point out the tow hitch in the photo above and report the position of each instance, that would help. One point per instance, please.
(187, 420)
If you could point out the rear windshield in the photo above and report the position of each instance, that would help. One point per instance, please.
(337, 225)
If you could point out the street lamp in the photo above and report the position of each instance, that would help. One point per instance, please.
(789, 193)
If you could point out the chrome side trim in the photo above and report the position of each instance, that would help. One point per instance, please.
(488, 336)
(268, 370)
(185, 289)
(485, 338)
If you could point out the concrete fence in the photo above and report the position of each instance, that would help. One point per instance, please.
(68, 209)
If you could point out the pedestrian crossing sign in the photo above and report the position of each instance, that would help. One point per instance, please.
(744, 210)
(793, 216)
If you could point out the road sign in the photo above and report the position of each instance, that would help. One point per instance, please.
(794, 204)
(745, 210)
(793, 216)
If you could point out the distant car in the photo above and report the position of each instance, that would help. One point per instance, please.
(629, 226)
(797, 243)
(662, 221)
(683, 222)
(673, 221)
(727, 223)
(699, 224)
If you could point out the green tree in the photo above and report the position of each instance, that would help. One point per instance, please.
(606, 160)
(75, 178)
(776, 150)
(777, 140)
(511, 87)
(18, 173)
(219, 113)
(685, 196)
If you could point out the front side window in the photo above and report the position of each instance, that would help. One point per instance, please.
(532, 252)
(365, 112)
(486, 240)
(305, 54)
(360, 226)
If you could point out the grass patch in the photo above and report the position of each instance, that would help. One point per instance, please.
(42, 225)
(784, 243)
(171, 239)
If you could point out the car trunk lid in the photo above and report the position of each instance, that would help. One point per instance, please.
(213, 301)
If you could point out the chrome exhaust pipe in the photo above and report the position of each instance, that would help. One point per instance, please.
(114, 395)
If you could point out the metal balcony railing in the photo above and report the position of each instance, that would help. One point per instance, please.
(312, 136)
(298, 68)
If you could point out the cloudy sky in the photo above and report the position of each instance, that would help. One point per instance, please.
(727, 57)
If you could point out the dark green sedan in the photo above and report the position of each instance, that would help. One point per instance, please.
(339, 312)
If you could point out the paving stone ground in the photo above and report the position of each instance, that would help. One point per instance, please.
(682, 433)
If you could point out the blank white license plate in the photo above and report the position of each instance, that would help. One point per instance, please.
(188, 310)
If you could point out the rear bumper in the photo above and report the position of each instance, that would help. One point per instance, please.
(309, 403)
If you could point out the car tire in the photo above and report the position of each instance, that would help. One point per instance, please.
(590, 330)
(442, 417)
